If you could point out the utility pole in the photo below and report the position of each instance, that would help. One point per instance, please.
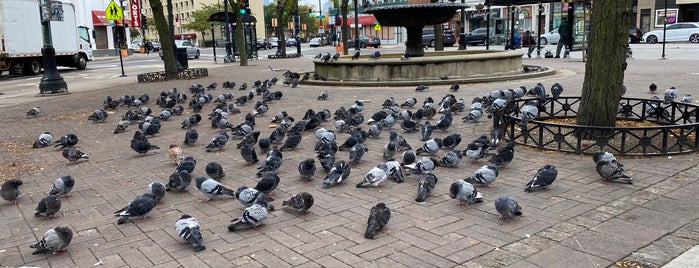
(51, 81)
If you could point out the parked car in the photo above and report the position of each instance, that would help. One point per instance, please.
(448, 37)
(635, 35)
(192, 50)
(156, 45)
(365, 41)
(263, 43)
(318, 42)
(551, 37)
(678, 32)
(478, 36)
(290, 42)
(274, 41)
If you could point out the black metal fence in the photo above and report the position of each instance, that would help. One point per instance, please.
(672, 128)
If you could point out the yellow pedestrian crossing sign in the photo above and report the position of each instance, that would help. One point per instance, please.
(377, 27)
(113, 11)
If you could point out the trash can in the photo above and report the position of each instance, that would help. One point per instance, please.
(181, 56)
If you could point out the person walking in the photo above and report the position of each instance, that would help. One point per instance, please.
(563, 32)
(529, 41)
(148, 46)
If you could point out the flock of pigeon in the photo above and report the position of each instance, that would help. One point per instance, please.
(401, 159)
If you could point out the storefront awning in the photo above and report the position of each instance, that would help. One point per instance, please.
(100, 19)
(185, 36)
(363, 20)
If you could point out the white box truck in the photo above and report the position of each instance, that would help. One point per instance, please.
(21, 38)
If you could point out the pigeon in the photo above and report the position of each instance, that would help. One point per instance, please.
(356, 55)
(378, 218)
(423, 165)
(652, 88)
(175, 153)
(211, 188)
(454, 87)
(670, 95)
(496, 134)
(54, 241)
(63, 186)
(98, 116)
(450, 159)
(191, 137)
(73, 154)
(556, 90)
(375, 176)
(300, 202)
(121, 126)
(542, 179)
(212, 86)
(375, 55)
(407, 157)
(357, 152)
(249, 155)
(67, 140)
(191, 121)
(337, 174)
(179, 181)
(421, 88)
(409, 103)
(465, 193)
(48, 206)
(10, 190)
(272, 163)
(249, 196)
(477, 149)
(451, 141)
(336, 57)
(389, 150)
(268, 184)
(358, 105)
(264, 143)
(609, 168)
(140, 206)
(323, 95)
(157, 189)
(277, 135)
(292, 141)
(307, 169)
(218, 142)
(484, 175)
(507, 207)
(425, 186)
(687, 98)
(426, 131)
(214, 170)
(187, 227)
(43, 140)
(504, 155)
(253, 217)
(395, 170)
(142, 146)
(34, 111)
(528, 112)
(430, 147)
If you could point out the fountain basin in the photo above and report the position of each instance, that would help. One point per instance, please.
(457, 66)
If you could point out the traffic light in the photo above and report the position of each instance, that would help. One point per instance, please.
(144, 21)
(245, 9)
(310, 12)
(337, 20)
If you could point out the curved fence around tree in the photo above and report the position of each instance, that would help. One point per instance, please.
(656, 128)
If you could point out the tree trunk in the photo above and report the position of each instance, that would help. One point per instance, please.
(606, 63)
(438, 36)
(161, 25)
(240, 34)
(345, 27)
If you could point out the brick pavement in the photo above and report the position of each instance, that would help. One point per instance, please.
(580, 222)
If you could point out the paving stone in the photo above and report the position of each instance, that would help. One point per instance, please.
(552, 257)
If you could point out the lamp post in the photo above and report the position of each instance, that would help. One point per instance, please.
(51, 81)
(487, 28)
(356, 27)
(229, 57)
(123, 40)
(538, 31)
(297, 28)
(462, 35)
(664, 31)
(320, 17)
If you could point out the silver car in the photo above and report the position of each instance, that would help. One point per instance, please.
(551, 37)
(192, 50)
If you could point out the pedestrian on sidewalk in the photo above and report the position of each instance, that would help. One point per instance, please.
(563, 33)
(529, 41)
(148, 46)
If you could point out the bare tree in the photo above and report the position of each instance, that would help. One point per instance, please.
(165, 38)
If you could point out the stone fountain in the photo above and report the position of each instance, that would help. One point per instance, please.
(415, 66)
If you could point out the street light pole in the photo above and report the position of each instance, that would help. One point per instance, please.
(320, 16)
(538, 31)
(462, 35)
(229, 56)
(51, 81)
(664, 31)
(356, 27)
(123, 38)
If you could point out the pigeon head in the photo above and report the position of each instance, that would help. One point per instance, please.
(185, 216)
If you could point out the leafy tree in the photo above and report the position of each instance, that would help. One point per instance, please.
(165, 38)
(134, 33)
(201, 19)
(604, 69)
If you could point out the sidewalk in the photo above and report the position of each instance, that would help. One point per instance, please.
(580, 222)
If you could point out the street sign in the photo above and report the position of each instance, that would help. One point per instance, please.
(135, 10)
(113, 11)
(377, 27)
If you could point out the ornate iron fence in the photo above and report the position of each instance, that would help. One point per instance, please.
(673, 130)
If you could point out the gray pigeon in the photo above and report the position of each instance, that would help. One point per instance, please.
(337, 174)
(98, 116)
(395, 170)
(356, 55)
(190, 137)
(121, 126)
(389, 150)
(425, 186)
(543, 178)
(507, 207)
(450, 159)
(179, 181)
(484, 175)
(34, 111)
(357, 152)
(10, 190)
(421, 88)
(157, 189)
(142, 146)
(477, 149)
(140, 206)
(378, 218)
(268, 184)
(249, 196)
(48, 207)
(272, 163)
(426, 131)
(528, 113)
(188, 228)
(430, 146)
(214, 170)
(43, 140)
(465, 192)
(248, 153)
(687, 98)
(504, 155)
(451, 141)
(609, 168)
(253, 217)
(423, 165)
(54, 241)
(323, 95)
(407, 157)
(62, 186)
(473, 115)
(292, 141)
(556, 90)
(300, 202)
(307, 169)
(73, 154)
(211, 188)
(218, 142)
(375, 176)
(375, 55)
(67, 140)
(670, 95)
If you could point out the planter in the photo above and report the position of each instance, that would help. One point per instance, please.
(124, 52)
(143, 50)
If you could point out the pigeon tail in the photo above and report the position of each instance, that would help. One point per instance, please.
(122, 220)
(196, 240)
